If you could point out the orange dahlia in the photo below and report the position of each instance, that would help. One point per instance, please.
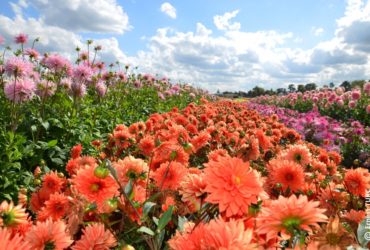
(288, 174)
(357, 182)
(169, 175)
(299, 154)
(93, 188)
(95, 237)
(9, 242)
(52, 182)
(55, 208)
(233, 185)
(130, 168)
(285, 215)
(193, 190)
(48, 235)
(217, 234)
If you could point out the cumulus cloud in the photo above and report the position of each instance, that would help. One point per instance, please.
(100, 16)
(169, 10)
(317, 31)
(53, 38)
(223, 22)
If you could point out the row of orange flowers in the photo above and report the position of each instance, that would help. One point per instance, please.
(213, 176)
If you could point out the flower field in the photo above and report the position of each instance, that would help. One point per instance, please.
(98, 158)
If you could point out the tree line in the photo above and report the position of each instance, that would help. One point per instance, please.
(292, 88)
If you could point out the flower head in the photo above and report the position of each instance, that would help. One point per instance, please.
(93, 188)
(95, 237)
(48, 235)
(20, 90)
(286, 215)
(357, 182)
(16, 66)
(233, 185)
(9, 242)
(12, 216)
(21, 38)
(287, 173)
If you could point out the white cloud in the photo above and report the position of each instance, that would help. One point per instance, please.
(99, 16)
(169, 10)
(223, 22)
(317, 31)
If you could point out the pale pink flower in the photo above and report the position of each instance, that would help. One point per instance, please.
(18, 67)
(57, 63)
(21, 38)
(32, 53)
(352, 104)
(367, 88)
(46, 88)
(368, 109)
(82, 72)
(78, 89)
(101, 89)
(66, 83)
(19, 90)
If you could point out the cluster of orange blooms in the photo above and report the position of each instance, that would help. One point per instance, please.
(237, 180)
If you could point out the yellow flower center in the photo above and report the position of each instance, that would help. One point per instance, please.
(95, 187)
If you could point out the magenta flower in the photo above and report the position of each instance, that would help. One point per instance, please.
(21, 38)
(356, 95)
(18, 67)
(19, 90)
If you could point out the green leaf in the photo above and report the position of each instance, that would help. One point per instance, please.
(129, 189)
(33, 128)
(147, 207)
(52, 143)
(46, 125)
(146, 230)
(165, 218)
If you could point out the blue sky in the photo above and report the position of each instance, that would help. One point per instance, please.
(226, 45)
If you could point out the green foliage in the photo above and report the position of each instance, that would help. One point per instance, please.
(47, 129)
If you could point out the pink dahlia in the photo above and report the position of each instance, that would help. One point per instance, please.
(32, 53)
(78, 89)
(20, 90)
(18, 67)
(101, 89)
(57, 63)
(82, 72)
(21, 38)
(46, 88)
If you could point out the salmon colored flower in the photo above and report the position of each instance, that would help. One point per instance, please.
(93, 188)
(11, 215)
(357, 182)
(169, 175)
(288, 174)
(200, 140)
(146, 145)
(52, 183)
(299, 154)
(334, 236)
(95, 237)
(233, 185)
(217, 234)
(131, 168)
(9, 242)
(48, 235)
(355, 216)
(285, 215)
(193, 190)
(55, 208)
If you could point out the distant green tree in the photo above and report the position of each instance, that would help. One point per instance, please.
(301, 88)
(291, 88)
(331, 85)
(346, 85)
(310, 86)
